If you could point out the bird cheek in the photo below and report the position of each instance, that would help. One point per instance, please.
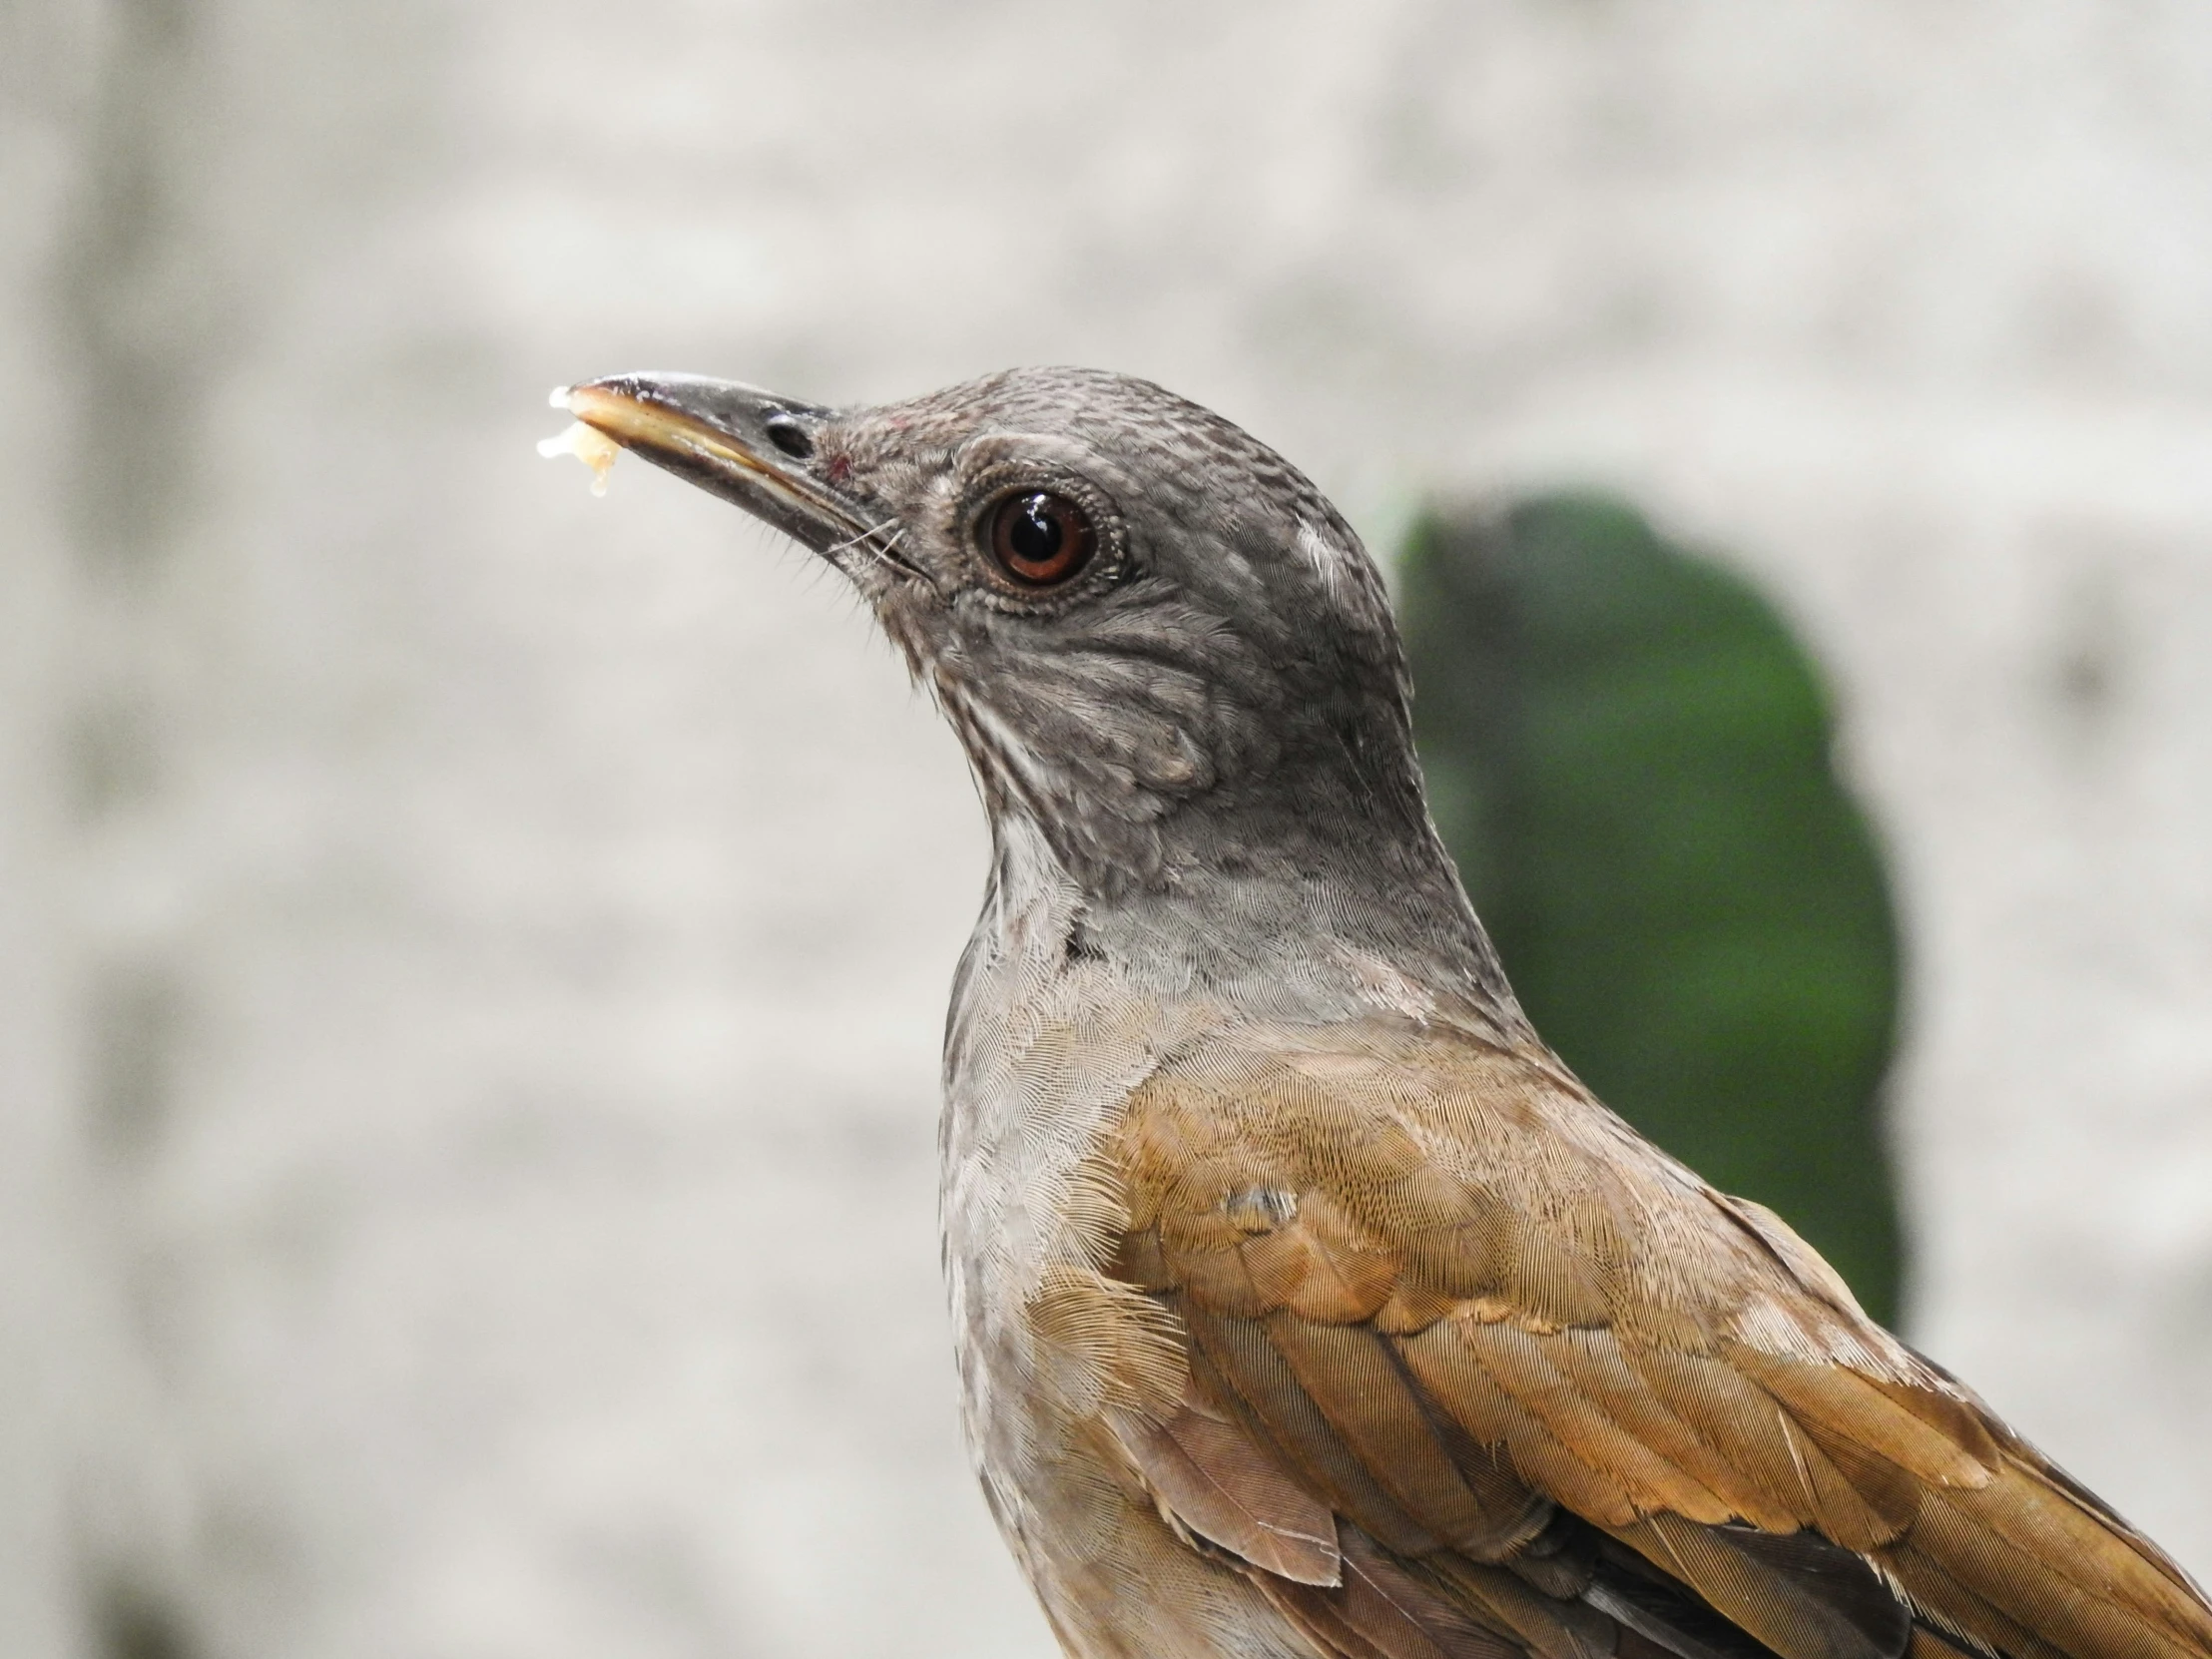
(900, 613)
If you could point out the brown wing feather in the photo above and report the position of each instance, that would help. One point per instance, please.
(1383, 1612)
(1576, 1476)
(2026, 1547)
(1548, 1626)
(1349, 1372)
(1209, 1472)
(1256, 1376)
(1435, 1294)
(1791, 1612)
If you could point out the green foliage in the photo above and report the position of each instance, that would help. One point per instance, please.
(1628, 754)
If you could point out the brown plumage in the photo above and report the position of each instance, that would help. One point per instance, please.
(1307, 1304)
(1450, 1246)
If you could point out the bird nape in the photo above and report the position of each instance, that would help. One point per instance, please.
(1303, 1302)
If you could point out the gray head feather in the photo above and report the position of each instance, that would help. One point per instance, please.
(1204, 732)
(1218, 702)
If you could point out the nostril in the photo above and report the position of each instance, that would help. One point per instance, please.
(791, 437)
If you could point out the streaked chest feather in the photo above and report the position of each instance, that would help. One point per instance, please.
(1044, 1048)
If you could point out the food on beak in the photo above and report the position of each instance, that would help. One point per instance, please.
(587, 443)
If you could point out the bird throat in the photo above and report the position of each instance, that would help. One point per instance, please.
(1311, 939)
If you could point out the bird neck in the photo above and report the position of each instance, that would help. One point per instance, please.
(1305, 918)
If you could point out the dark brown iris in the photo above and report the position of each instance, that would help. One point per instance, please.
(1041, 539)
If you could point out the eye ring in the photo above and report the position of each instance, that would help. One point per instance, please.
(1039, 539)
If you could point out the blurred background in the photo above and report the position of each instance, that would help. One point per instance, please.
(472, 956)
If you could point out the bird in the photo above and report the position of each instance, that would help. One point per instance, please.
(1305, 1304)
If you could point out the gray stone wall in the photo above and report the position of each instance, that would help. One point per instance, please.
(473, 955)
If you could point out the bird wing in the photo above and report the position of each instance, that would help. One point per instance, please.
(1470, 1371)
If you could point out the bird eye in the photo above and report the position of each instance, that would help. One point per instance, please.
(1041, 539)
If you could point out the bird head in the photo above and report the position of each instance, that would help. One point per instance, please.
(1166, 653)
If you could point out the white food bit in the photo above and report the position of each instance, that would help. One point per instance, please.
(589, 445)
(557, 398)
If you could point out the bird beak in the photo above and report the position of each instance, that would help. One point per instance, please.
(737, 441)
